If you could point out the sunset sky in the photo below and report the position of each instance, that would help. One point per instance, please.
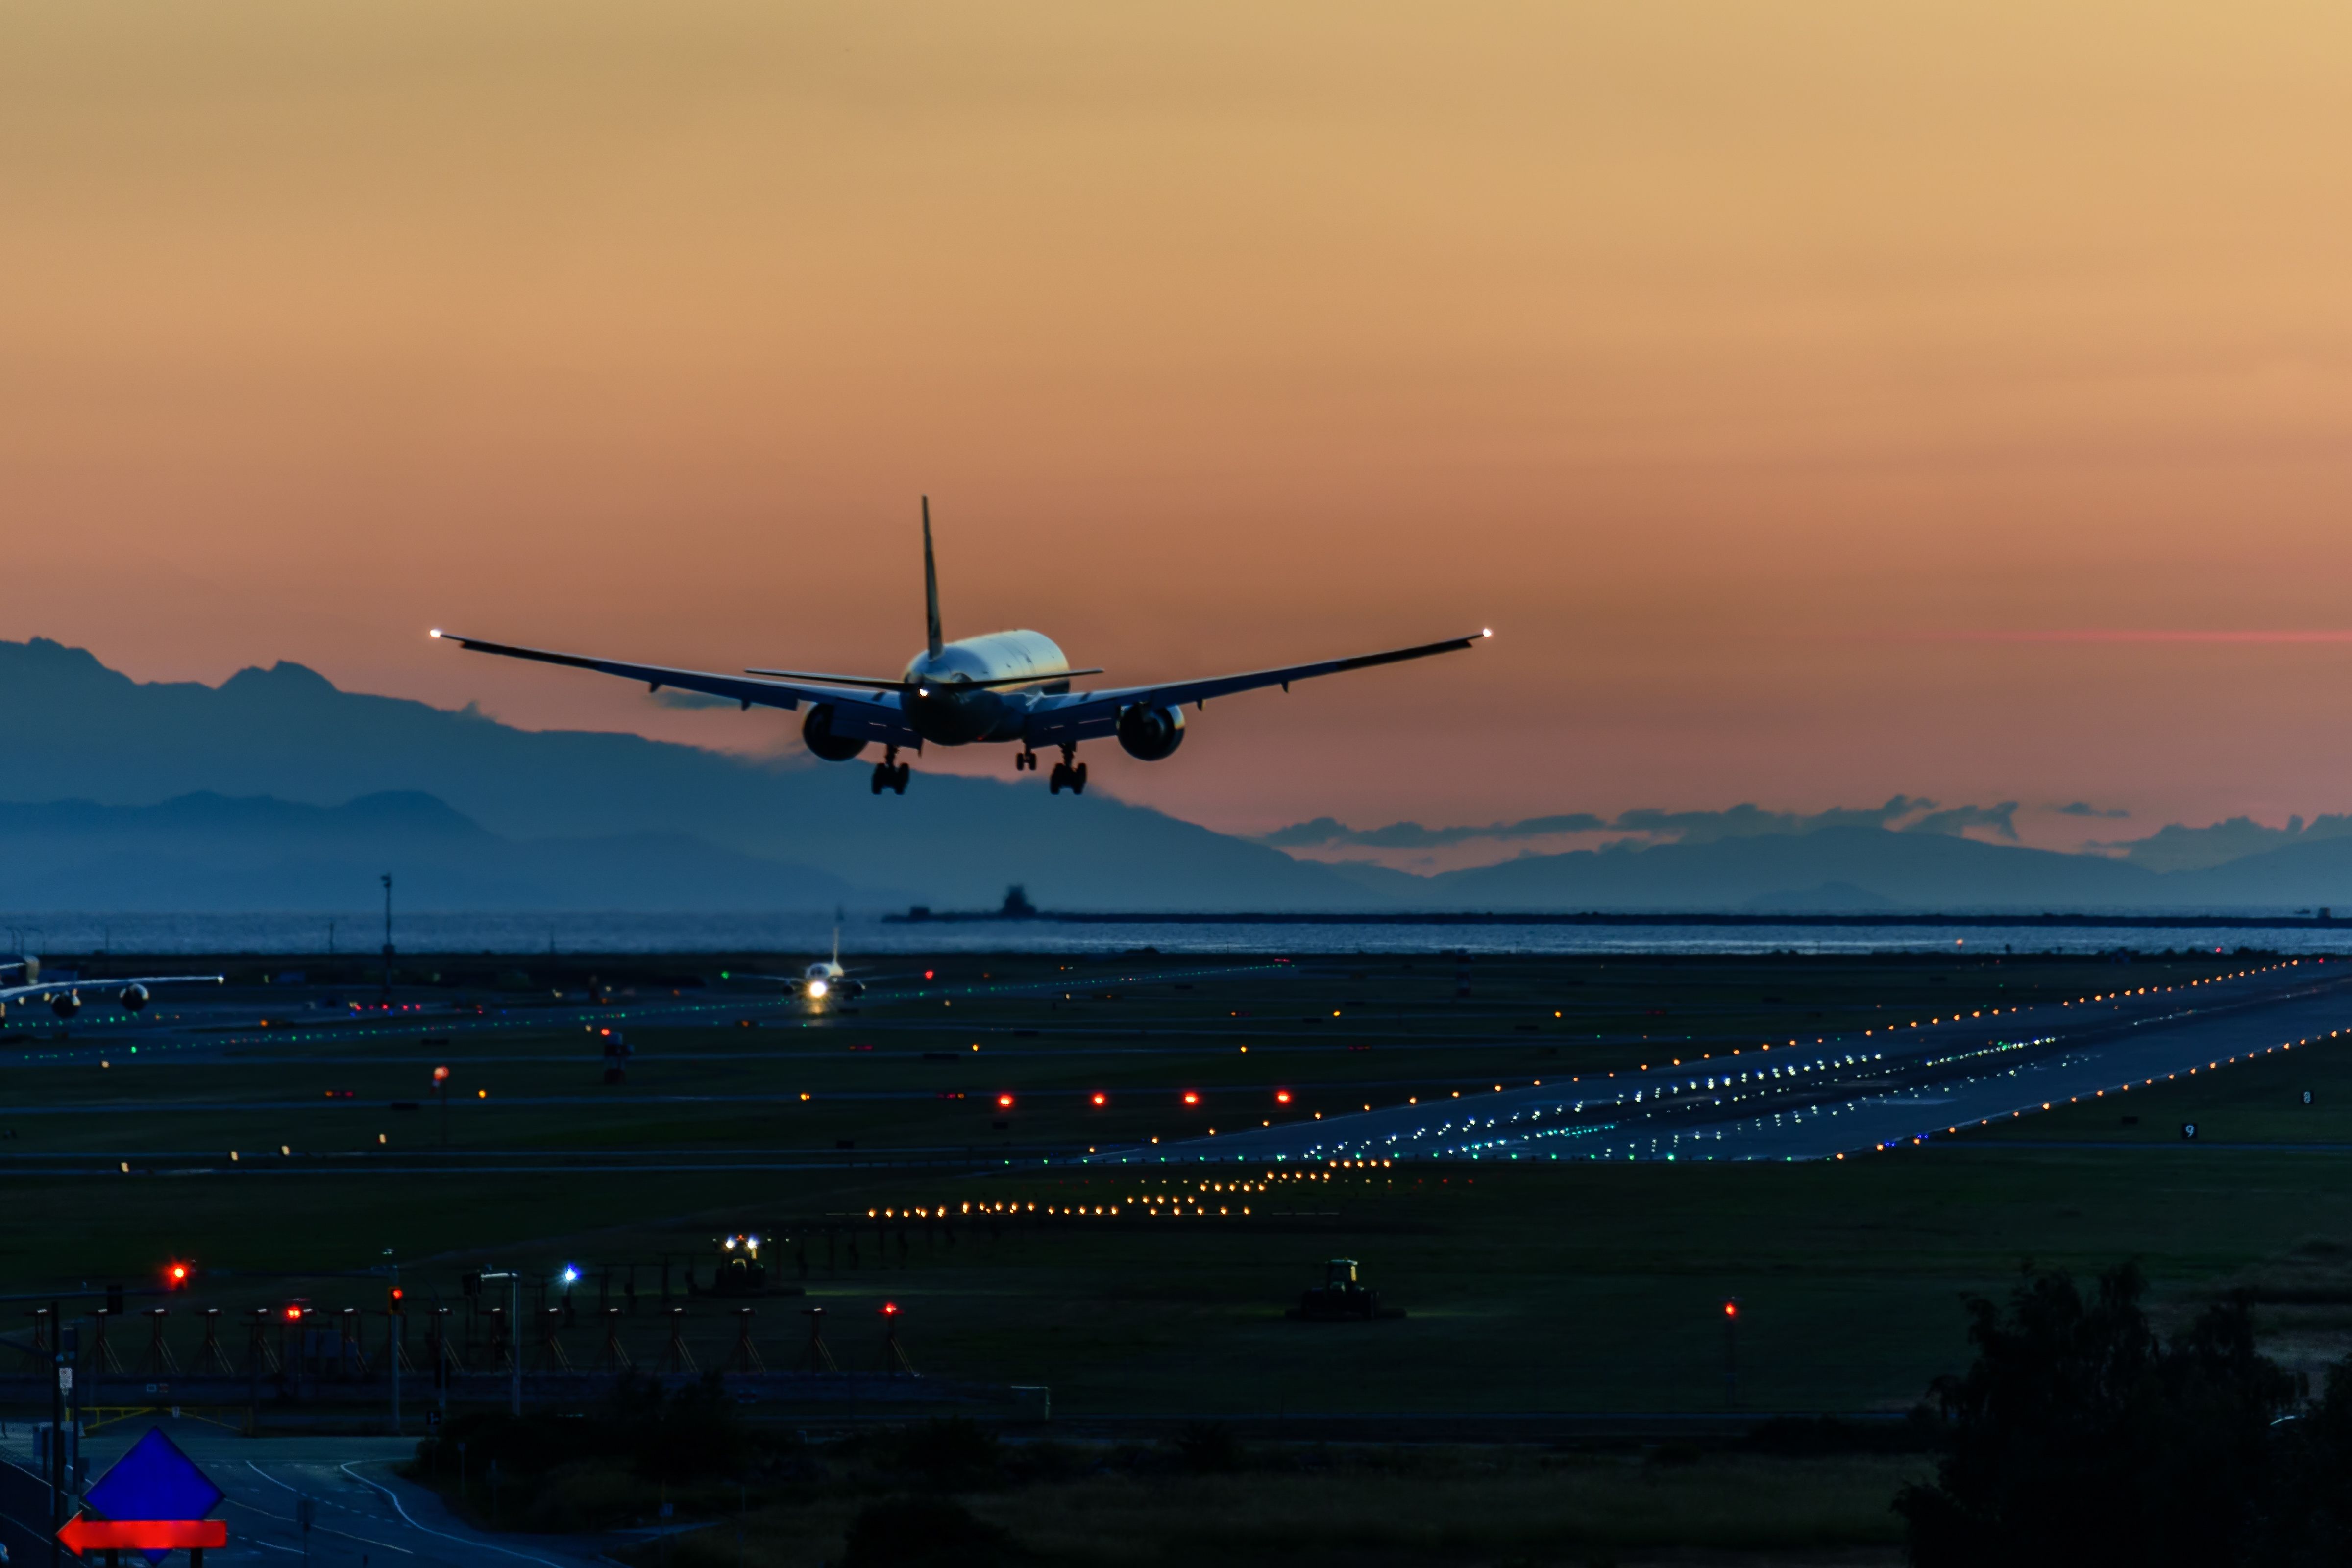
(1821, 400)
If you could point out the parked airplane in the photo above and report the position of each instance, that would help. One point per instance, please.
(64, 996)
(1003, 687)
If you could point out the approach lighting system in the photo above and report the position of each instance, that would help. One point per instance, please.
(440, 1077)
(1192, 1096)
(394, 1299)
(890, 1309)
(294, 1313)
(1282, 1097)
(1731, 1308)
(572, 1274)
(1003, 1102)
(176, 1276)
(1099, 1097)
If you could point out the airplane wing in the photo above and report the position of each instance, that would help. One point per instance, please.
(1083, 715)
(101, 987)
(865, 714)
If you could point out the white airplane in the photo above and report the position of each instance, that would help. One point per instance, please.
(820, 980)
(64, 996)
(1006, 688)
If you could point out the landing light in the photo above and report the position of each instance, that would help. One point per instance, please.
(435, 632)
(817, 988)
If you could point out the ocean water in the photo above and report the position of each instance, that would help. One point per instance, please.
(362, 933)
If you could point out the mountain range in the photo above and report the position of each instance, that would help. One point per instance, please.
(276, 790)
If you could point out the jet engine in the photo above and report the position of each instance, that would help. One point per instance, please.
(132, 998)
(1149, 734)
(817, 730)
(65, 1003)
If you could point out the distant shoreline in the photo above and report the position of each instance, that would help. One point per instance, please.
(1364, 918)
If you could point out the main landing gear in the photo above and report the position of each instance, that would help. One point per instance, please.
(890, 773)
(1069, 774)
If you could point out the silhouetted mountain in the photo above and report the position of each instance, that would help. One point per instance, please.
(277, 791)
(1906, 870)
(216, 854)
(287, 733)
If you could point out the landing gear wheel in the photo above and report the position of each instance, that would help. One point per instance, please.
(1078, 779)
(899, 775)
(883, 775)
(1058, 778)
(1025, 761)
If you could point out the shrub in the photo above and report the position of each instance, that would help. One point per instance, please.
(1208, 1447)
(954, 1452)
(2078, 1436)
(925, 1532)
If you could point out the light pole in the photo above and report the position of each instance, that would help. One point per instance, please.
(394, 1322)
(60, 1384)
(388, 939)
(1731, 1349)
(514, 1328)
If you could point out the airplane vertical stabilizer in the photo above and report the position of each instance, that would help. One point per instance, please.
(931, 584)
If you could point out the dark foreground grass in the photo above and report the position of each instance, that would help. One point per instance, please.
(1385, 1507)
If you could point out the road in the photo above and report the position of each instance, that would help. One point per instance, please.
(363, 1516)
(1835, 1095)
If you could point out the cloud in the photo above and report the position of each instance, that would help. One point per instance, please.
(1743, 821)
(1413, 835)
(1749, 821)
(2085, 808)
(1959, 819)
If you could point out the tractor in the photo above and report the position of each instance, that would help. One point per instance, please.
(1341, 1296)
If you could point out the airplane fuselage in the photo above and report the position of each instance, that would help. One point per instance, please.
(942, 707)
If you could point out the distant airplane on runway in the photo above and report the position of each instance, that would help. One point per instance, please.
(1004, 688)
(817, 982)
(64, 996)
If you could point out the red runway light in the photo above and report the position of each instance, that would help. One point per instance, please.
(1192, 1096)
(1282, 1097)
(927, 973)
(1004, 1102)
(1100, 1098)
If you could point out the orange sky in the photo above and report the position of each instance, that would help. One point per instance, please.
(1745, 367)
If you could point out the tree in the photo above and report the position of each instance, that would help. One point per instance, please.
(2077, 1435)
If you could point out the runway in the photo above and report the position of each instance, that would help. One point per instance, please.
(1834, 1096)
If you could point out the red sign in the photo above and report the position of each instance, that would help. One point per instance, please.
(82, 1534)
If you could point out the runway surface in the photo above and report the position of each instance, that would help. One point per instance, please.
(1834, 1096)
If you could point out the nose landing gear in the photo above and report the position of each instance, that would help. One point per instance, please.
(890, 773)
(1069, 774)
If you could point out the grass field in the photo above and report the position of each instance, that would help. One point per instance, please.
(1572, 1288)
